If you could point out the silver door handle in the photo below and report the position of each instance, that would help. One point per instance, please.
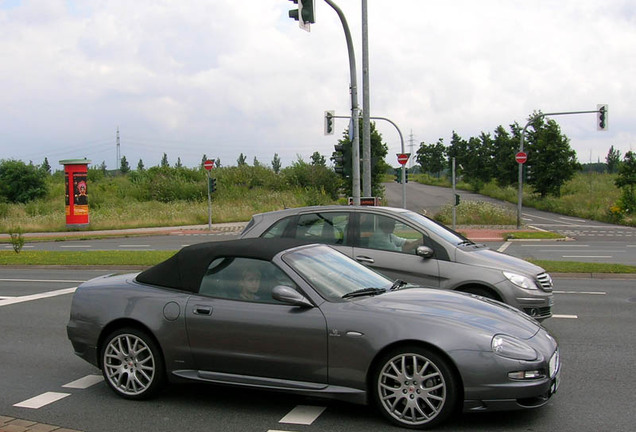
(202, 310)
(365, 259)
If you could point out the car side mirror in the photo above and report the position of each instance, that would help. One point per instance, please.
(290, 296)
(425, 252)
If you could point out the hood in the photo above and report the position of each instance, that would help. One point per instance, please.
(455, 309)
(484, 257)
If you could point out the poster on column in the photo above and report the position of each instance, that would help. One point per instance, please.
(80, 195)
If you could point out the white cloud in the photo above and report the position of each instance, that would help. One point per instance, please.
(225, 77)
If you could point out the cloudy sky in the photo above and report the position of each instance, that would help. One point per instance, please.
(224, 77)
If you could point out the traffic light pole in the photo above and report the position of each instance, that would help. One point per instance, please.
(209, 204)
(366, 106)
(523, 134)
(402, 147)
(355, 141)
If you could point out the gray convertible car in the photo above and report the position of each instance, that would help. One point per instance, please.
(284, 316)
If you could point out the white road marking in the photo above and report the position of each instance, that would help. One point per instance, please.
(76, 246)
(133, 246)
(504, 246)
(586, 256)
(84, 383)
(303, 415)
(572, 219)
(23, 247)
(27, 298)
(581, 292)
(555, 245)
(566, 316)
(42, 400)
(575, 251)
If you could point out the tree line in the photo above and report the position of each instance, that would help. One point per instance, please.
(491, 157)
(478, 160)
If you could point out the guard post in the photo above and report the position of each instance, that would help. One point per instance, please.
(76, 192)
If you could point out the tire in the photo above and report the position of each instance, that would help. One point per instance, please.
(132, 364)
(415, 388)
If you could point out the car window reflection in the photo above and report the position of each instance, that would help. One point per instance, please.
(243, 279)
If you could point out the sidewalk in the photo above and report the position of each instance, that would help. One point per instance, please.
(185, 229)
(483, 234)
(10, 424)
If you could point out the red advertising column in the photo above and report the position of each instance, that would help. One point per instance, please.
(76, 199)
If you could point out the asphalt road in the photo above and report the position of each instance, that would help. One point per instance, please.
(430, 199)
(594, 326)
(588, 241)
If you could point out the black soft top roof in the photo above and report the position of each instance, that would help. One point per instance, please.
(185, 269)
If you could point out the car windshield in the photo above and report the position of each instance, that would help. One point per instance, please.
(437, 228)
(333, 274)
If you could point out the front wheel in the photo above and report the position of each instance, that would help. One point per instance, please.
(414, 388)
(132, 364)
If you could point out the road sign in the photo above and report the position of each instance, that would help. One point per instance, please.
(208, 164)
(521, 157)
(403, 158)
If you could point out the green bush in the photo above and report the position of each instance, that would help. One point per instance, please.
(20, 183)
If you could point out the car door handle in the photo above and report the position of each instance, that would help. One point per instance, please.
(364, 259)
(202, 310)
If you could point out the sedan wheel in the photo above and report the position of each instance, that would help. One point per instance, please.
(415, 388)
(132, 364)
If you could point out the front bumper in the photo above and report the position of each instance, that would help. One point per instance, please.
(537, 303)
(510, 394)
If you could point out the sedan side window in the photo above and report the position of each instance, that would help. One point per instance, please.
(243, 279)
(329, 228)
(278, 229)
(386, 233)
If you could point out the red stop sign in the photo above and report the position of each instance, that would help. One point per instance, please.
(208, 164)
(521, 157)
(403, 158)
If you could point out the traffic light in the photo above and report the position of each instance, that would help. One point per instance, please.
(406, 175)
(398, 174)
(456, 199)
(304, 14)
(342, 159)
(602, 117)
(212, 184)
(329, 122)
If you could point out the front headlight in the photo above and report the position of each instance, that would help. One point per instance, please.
(513, 348)
(520, 280)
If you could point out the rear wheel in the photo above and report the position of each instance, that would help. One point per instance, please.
(415, 388)
(132, 364)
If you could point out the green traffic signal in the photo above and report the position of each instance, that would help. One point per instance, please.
(342, 159)
(293, 13)
(329, 123)
(305, 11)
(602, 117)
